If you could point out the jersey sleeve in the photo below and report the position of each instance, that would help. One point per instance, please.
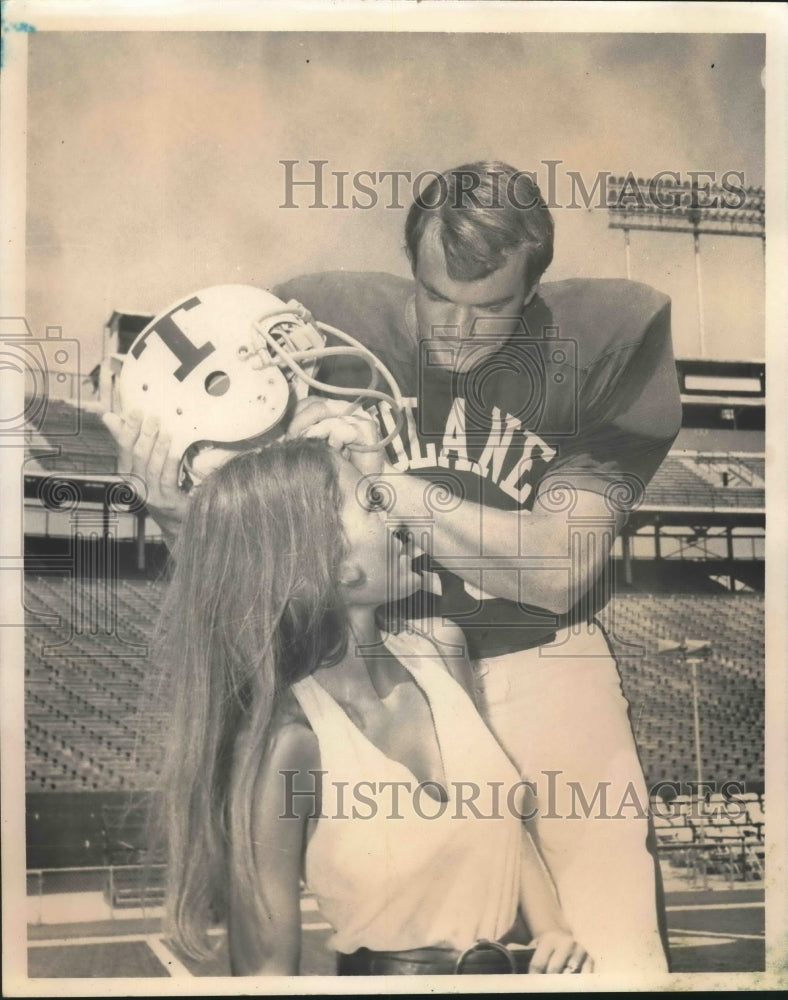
(369, 305)
(629, 414)
(341, 299)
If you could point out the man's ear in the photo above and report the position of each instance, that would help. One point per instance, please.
(351, 575)
(411, 260)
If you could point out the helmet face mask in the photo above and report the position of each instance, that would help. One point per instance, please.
(223, 367)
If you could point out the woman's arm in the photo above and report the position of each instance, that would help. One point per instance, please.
(279, 829)
(556, 950)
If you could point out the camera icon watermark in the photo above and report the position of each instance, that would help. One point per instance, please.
(36, 372)
(498, 365)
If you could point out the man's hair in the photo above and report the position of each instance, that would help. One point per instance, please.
(484, 212)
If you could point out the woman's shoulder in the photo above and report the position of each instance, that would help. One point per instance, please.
(284, 775)
(293, 741)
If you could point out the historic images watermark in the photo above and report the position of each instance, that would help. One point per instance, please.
(46, 366)
(549, 796)
(47, 376)
(314, 184)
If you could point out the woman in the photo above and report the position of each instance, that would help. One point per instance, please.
(277, 671)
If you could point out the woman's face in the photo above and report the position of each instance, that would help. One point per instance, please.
(384, 562)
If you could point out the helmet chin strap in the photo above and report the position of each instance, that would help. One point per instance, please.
(290, 339)
(277, 355)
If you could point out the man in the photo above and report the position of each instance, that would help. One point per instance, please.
(535, 415)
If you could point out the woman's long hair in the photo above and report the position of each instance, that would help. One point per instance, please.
(253, 606)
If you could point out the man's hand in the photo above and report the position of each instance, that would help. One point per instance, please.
(557, 951)
(316, 417)
(144, 452)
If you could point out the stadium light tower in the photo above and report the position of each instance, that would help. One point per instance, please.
(692, 651)
(667, 204)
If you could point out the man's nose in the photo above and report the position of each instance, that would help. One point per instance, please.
(461, 317)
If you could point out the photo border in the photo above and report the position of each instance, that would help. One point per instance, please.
(19, 19)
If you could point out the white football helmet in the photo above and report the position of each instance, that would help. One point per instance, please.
(222, 367)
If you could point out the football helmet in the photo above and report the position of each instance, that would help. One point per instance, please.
(222, 367)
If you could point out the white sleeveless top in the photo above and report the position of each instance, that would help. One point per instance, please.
(444, 874)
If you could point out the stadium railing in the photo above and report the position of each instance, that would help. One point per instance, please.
(115, 890)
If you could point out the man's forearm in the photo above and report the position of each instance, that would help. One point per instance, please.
(538, 557)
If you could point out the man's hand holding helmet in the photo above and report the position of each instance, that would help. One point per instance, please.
(355, 435)
(147, 453)
(223, 370)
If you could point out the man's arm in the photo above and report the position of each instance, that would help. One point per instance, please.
(549, 557)
(542, 557)
(144, 452)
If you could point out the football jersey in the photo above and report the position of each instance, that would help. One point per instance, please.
(583, 395)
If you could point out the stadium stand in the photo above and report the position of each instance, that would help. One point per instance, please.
(88, 728)
(71, 439)
(688, 480)
(731, 684)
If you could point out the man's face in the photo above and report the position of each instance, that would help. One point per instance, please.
(442, 302)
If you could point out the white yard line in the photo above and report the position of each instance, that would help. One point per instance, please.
(714, 906)
(175, 967)
(695, 932)
(66, 942)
